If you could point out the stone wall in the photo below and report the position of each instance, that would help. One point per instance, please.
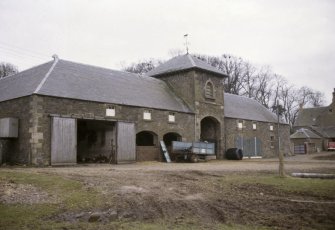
(18, 150)
(312, 145)
(159, 123)
(183, 85)
(148, 153)
(190, 87)
(262, 131)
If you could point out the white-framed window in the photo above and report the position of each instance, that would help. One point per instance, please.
(147, 114)
(254, 125)
(172, 117)
(240, 125)
(271, 127)
(110, 111)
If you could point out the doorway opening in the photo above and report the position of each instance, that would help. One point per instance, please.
(147, 146)
(96, 141)
(210, 131)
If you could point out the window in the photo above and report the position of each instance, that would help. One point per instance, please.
(209, 90)
(271, 127)
(110, 112)
(254, 126)
(147, 115)
(272, 142)
(172, 117)
(239, 125)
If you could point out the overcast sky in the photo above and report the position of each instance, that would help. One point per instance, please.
(295, 37)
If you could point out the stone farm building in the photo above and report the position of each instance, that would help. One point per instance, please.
(315, 129)
(68, 112)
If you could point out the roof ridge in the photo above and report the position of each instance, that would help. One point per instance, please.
(46, 76)
(303, 130)
(191, 60)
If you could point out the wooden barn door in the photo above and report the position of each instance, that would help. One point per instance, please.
(63, 141)
(126, 144)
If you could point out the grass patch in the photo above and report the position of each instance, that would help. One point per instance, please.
(70, 193)
(315, 187)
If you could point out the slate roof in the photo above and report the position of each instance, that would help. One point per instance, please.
(184, 62)
(23, 83)
(327, 132)
(79, 81)
(241, 107)
(309, 116)
(304, 133)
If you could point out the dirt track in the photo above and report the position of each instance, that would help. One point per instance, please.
(180, 192)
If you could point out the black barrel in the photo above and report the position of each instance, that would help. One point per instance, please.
(234, 154)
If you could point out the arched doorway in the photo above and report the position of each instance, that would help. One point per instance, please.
(210, 131)
(146, 138)
(168, 138)
(147, 146)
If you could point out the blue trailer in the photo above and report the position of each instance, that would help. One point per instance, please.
(192, 151)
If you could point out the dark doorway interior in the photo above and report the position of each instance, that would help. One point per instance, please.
(210, 130)
(169, 137)
(96, 141)
(145, 138)
(147, 146)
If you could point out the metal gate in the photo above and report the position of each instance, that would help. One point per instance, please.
(299, 149)
(126, 142)
(252, 147)
(63, 141)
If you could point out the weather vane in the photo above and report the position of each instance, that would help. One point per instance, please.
(186, 42)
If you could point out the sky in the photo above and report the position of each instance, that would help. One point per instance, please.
(296, 38)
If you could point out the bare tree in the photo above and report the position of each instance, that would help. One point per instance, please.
(7, 69)
(230, 65)
(316, 99)
(264, 86)
(142, 67)
(249, 80)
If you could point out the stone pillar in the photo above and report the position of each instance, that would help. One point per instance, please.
(37, 157)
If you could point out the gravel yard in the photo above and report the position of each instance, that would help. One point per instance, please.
(202, 195)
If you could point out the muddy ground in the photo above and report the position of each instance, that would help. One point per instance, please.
(181, 192)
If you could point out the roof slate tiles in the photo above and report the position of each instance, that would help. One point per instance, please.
(85, 82)
(183, 62)
(236, 106)
(304, 133)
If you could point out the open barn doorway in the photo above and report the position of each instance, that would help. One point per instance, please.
(210, 131)
(147, 148)
(96, 141)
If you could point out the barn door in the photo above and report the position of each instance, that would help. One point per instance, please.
(63, 141)
(126, 145)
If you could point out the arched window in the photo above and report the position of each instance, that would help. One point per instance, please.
(209, 90)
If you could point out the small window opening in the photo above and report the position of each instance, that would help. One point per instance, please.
(147, 115)
(271, 127)
(110, 112)
(240, 125)
(254, 126)
(172, 117)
